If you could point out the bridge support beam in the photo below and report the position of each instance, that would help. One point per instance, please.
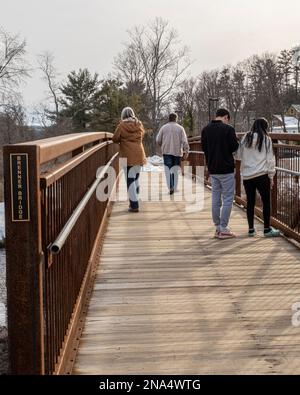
(24, 259)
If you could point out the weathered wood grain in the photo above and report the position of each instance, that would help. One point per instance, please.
(171, 299)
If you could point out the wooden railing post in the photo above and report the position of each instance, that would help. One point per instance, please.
(238, 190)
(24, 259)
(274, 192)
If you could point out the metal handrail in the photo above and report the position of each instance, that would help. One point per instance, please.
(274, 136)
(196, 152)
(57, 245)
(280, 169)
(291, 172)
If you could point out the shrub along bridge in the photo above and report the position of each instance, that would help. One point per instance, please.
(93, 289)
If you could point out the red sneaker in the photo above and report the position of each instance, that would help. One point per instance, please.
(226, 234)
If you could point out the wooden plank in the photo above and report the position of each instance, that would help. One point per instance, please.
(170, 299)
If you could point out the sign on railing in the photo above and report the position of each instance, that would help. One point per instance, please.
(19, 179)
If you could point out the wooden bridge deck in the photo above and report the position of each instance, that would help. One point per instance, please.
(170, 299)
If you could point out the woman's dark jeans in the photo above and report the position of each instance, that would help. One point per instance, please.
(263, 185)
(132, 174)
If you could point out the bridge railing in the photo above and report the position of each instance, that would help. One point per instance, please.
(286, 191)
(51, 202)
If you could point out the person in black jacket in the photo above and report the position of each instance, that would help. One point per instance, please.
(219, 142)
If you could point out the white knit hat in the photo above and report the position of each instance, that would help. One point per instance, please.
(127, 112)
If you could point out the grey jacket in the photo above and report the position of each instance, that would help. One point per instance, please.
(173, 140)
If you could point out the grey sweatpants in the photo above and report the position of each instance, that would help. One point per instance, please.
(222, 199)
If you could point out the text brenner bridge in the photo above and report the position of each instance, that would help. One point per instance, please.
(146, 293)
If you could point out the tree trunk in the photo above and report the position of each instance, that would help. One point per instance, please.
(283, 121)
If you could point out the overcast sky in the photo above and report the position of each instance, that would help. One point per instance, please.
(89, 33)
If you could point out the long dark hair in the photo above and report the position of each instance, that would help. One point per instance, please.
(260, 126)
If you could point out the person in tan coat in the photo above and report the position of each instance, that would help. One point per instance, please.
(129, 134)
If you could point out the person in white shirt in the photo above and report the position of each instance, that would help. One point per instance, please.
(258, 170)
(173, 141)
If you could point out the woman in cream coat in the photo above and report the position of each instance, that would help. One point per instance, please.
(258, 170)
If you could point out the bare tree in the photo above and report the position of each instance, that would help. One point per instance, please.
(50, 74)
(296, 68)
(13, 71)
(232, 89)
(40, 114)
(261, 86)
(186, 100)
(207, 87)
(12, 119)
(154, 54)
(13, 66)
(285, 68)
(129, 66)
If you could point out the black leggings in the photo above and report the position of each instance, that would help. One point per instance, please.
(263, 185)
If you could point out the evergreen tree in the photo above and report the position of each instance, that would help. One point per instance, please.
(114, 95)
(80, 97)
(111, 100)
